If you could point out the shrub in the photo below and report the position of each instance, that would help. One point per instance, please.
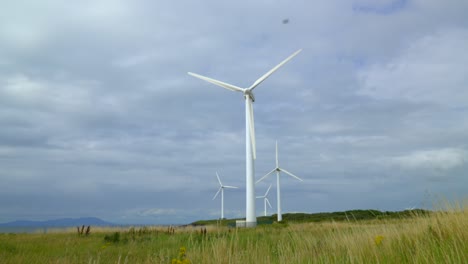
(114, 238)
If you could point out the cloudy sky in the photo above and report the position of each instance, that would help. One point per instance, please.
(98, 116)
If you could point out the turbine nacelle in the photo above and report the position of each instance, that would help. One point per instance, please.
(248, 92)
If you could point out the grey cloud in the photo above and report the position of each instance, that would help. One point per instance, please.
(426, 72)
(96, 107)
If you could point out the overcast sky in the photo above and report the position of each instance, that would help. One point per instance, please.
(98, 116)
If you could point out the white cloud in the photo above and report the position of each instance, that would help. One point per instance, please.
(433, 69)
(328, 128)
(157, 212)
(375, 2)
(378, 6)
(357, 141)
(33, 92)
(136, 60)
(21, 86)
(442, 159)
(22, 36)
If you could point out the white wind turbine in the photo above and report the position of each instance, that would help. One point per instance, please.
(250, 149)
(278, 170)
(221, 189)
(265, 199)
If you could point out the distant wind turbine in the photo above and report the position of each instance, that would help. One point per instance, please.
(265, 199)
(250, 149)
(221, 189)
(278, 193)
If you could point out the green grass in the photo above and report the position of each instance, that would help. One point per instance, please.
(439, 237)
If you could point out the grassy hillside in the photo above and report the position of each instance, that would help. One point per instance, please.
(439, 237)
(320, 217)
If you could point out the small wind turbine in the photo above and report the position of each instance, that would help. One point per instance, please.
(221, 189)
(278, 170)
(265, 199)
(250, 151)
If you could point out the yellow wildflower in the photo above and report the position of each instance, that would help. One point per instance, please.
(378, 240)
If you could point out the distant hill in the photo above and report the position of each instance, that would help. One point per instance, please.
(352, 216)
(64, 222)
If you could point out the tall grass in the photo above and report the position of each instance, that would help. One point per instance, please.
(441, 237)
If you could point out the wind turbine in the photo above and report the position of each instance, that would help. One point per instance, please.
(278, 170)
(221, 189)
(265, 199)
(250, 149)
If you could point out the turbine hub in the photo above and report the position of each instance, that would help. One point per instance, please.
(249, 93)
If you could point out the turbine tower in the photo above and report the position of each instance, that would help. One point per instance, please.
(221, 189)
(278, 193)
(250, 149)
(265, 199)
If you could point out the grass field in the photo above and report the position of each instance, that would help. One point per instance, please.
(440, 237)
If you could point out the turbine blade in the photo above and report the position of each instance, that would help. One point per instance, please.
(258, 197)
(268, 202)
(217, 176)
(266, 75)
(219, 83)
(252, 130)
(268, 190)
(217, 192)
(290, 174)
(268, 174)
(231, 187)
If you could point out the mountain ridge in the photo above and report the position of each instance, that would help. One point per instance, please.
(61, 222)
